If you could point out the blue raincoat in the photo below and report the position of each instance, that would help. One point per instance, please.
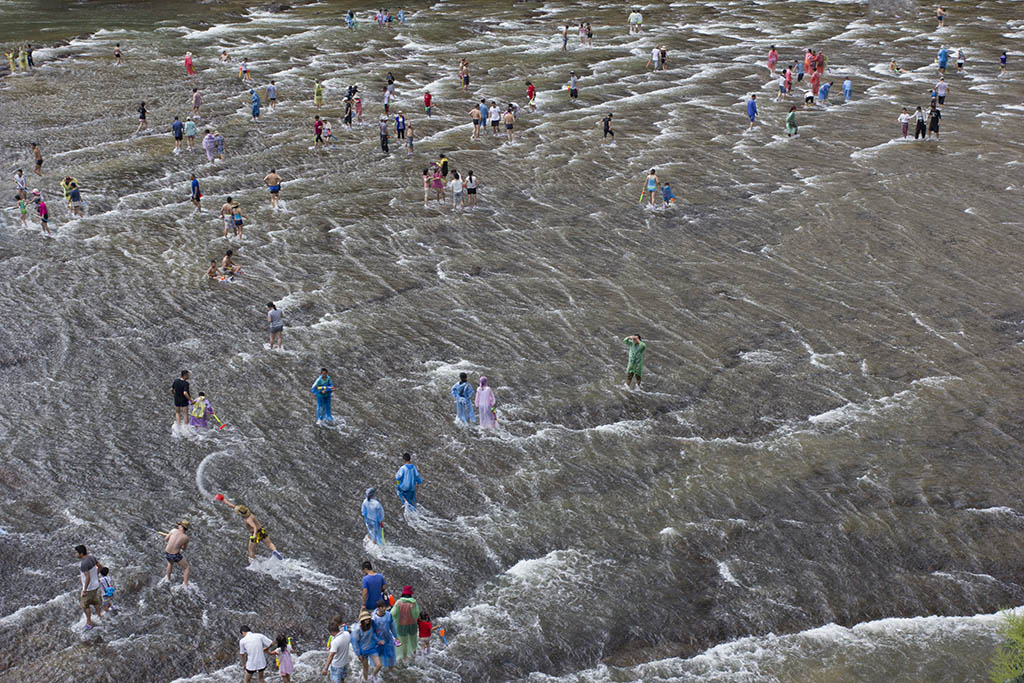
(463, 392)
(384, 630)
(407, 478)
(255, 104)
(364, 642)
(323, 387)
(373, 516)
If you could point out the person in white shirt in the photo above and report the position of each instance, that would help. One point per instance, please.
(456, 187)
(252, 648)
(471, 188)
(336, 666)
(655, 59)
(904, 120)
(495, 115)
(941, 88)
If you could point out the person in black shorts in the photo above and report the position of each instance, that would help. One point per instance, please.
(181, 399)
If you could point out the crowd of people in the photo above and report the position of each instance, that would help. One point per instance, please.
(386, 630)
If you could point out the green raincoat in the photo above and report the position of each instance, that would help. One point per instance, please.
(406, 614)
(791, 123)
(636, 357)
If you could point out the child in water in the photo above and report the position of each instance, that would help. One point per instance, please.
(284, 658)
(359, 110)
(22, 210)
(328, 137)
(666, 195)
(107, 586)
(201, 407)
(426, 630)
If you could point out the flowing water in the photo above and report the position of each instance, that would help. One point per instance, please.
(818, 481)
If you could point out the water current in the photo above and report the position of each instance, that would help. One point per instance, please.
(817, 482)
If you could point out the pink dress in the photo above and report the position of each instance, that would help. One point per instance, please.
(188, 65)
(285, 657)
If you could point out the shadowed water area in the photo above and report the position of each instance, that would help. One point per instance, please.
(822, 464)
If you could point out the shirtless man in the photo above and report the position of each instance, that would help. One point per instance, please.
(510, 121)
(273, 181)
(257, 532)
(227, 215)
(38, 154)
(211, 272)
(474, 113)
(228, 265)
(177, 541)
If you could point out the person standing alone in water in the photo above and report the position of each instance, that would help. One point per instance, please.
(463, 394)
(276, 326)
(635, 365)
(323, 387)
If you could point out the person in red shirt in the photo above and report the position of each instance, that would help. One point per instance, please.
(426, 630)
(531, 95)
(426, 102)
(318, 131)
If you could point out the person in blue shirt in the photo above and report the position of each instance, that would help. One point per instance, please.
(462, 393)
(178, 128)
(752, 110)
(401, 16)
(196, 194)
(400, 126)
(847, 89)
(373, 586)
(666, 195)
(943, 59)
(823, 92)
(323, 387)
(350, 19)
(373, 516)
(407, 478)
(484, 110)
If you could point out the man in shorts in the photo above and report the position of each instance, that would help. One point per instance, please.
(37, 153)
(474, 114)
(178, 129)
(573, 90)
(273, 181)
(252, 648)
(177, 541)
(272, 94)
(336, 666)
(510, 122)
(227, 215)
(179, 389)
(90, 567)
(495, 115)
(941, 89)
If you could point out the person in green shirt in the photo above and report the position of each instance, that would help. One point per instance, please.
(635, 366)
(791, 128)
